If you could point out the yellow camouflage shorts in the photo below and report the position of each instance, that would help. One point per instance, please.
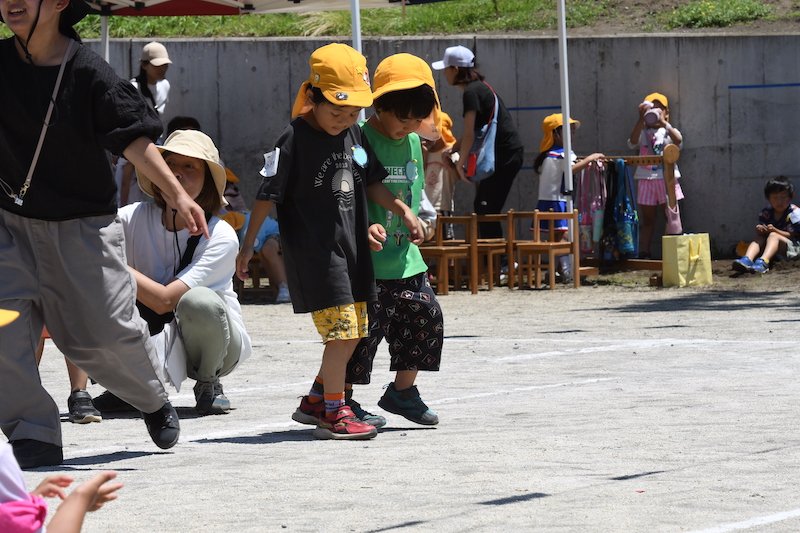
(342, 322)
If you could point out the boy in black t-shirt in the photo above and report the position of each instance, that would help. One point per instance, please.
(320, 174)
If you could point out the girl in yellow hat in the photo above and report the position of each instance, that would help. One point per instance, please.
(552, 186)
(651, 133)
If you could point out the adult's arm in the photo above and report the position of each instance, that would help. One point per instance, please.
(467, 138)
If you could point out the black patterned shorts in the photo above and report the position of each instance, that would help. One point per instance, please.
(409, 317)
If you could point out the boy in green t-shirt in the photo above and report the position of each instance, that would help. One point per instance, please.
(407, 313)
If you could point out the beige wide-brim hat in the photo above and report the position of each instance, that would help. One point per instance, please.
(7, 316)
(191, 143)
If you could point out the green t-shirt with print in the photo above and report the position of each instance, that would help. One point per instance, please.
(402, 159)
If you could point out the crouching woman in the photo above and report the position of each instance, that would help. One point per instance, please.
(184, 284)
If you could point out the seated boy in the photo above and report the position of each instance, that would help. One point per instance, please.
(777, 231)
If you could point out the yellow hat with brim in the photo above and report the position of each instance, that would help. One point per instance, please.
(549, 125)
(403, 71)
(191, 143)
(7, 316)
(657, 97)
(341, 73)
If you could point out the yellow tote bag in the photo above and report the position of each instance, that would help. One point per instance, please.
(687, 260)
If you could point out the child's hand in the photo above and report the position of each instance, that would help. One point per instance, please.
(98, 490)
(53, 486)
(415, 232)
(771, 228)
(377, 236)
(762, 229)
(596, 156)
(243, 261)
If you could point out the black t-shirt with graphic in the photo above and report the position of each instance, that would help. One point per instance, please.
(320, 193)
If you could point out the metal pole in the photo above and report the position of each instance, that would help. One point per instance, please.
(104, 37)
(566, 133)
(355, 16)
(355, 12)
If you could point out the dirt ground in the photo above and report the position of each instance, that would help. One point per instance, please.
(640, 16)
(783, 276)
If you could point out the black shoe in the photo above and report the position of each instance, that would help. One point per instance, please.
(109, 403)
(81, 408)
(35, 453)
(408, 404)
(163, 426)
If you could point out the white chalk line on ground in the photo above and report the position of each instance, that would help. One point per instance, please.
(251, 429)
(752, 522)
(518, 389)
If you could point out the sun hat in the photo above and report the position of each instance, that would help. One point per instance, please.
(403, 71)
(446, 129)
(191, 143)
(7, 316)
(455, 56)
(549, 125)
(657, 97)
(73, 13)
(341, 73)
(156, 54)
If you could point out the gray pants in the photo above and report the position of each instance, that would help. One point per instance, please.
(213, 343)
(72, 276)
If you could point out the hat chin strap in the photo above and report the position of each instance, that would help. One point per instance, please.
(24, 45)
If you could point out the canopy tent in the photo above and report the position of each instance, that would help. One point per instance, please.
(236, 7)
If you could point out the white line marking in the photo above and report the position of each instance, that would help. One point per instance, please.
(753, 522)
(517, 389)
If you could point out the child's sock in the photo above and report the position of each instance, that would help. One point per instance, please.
(315, 395)
(333, 402)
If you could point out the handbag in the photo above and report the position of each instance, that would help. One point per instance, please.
(481, 157)
(686, 260)
(673, 225)
(626, 215)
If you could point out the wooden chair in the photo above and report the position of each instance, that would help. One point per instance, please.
(515, 237)
(446, 252)
(258, 278)
(490, 251)
(529, 254)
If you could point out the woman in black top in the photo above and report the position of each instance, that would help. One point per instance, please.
(62, 255)
(478, 101)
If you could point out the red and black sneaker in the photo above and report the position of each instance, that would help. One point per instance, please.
(309, 413)
(343, 425)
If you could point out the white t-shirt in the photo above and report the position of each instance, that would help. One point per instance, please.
(551, 176)
(160, 92)
(151, 249)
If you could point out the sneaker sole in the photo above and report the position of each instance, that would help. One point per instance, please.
(738, 267)
(391, 409)
(326, 434)
(302, 418)
(88, 419)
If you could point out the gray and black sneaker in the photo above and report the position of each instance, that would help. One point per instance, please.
(211, 399)
(81, 409)
(408, 404)
(110, 403)
(362, 414)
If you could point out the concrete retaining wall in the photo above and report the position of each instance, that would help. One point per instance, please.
(734, 98)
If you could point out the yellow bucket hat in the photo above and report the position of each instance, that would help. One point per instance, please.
(549, 125)
(653, 97)
(7, 317)
(446, 129)
(341, 73)
(406, 71)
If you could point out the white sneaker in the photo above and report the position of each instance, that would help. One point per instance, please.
(283, 295)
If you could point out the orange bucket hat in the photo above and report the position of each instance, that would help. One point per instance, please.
(549, 125)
